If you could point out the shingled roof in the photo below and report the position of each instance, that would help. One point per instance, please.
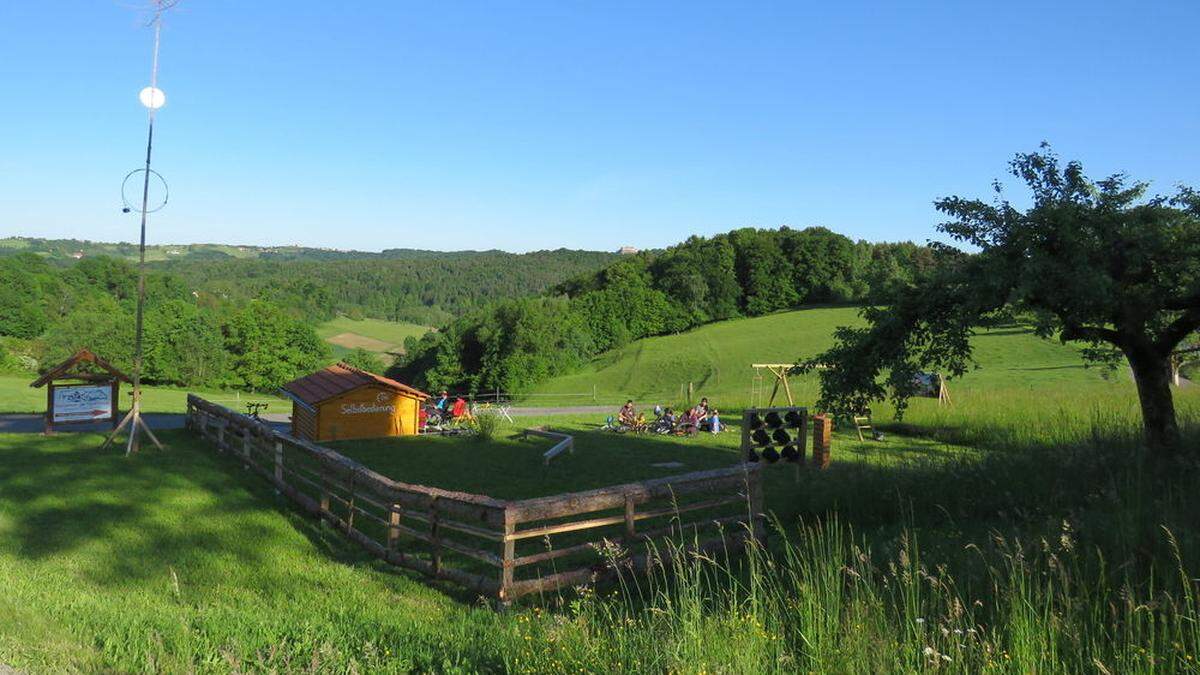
(337, 380)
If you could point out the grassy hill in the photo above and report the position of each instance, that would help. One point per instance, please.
(716, 358)
(375, 335)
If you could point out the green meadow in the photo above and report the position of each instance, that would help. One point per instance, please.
(1018, 530)
(16, 396)
(375, 335)
(716, 359)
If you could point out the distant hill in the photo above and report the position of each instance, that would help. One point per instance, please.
(716, 359)
(73, 249)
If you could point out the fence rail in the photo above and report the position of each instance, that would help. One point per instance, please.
(501, 548)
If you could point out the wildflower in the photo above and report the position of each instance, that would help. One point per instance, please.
(920, 620)
(929, 651)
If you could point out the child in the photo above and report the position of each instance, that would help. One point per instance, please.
(714, 422)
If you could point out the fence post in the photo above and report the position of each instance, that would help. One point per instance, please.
(630, 530)
(593, 393)
(221, 437)
(324, 491)
(393, 536)
(435, 537)
(508, 556)
(755, 488)
(279, 463)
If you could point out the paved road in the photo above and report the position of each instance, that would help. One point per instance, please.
(32, 423)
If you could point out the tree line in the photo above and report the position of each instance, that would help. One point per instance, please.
(423, 287)
(247, 323)
(516, 343)
(47, 312)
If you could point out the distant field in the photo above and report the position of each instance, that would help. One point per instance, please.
(716, 359)
(375, 335)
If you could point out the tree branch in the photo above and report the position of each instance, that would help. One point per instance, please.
(1188, 302)
(1093, 333)
(1178, 330)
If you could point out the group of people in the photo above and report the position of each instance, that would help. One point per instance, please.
(443, 410)
(701, 417)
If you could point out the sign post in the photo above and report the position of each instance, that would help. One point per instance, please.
(84, 389)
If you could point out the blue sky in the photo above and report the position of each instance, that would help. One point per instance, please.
(524, 125)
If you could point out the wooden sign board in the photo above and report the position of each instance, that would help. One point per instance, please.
(81, 390)
(80, 403)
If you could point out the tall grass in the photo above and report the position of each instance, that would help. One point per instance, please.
(824, 602)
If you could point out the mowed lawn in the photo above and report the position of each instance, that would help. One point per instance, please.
(375, 335)
(716, 359)
(182, 560)
(16, 396)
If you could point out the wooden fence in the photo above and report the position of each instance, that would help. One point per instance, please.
(503, 549)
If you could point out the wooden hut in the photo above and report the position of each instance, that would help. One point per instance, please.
(343, 402)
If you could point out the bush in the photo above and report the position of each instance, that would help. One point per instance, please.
(486, 425)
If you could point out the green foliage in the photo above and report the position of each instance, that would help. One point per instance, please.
(104, 326)
(424, 289)
(183, 345)
(1043, 549)
(363, 360)
(748, 271)
(1092, 262)
(268, 348)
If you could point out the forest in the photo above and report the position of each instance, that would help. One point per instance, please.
(516, 343)
(245, 323)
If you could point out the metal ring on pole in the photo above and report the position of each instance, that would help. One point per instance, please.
(134, 206)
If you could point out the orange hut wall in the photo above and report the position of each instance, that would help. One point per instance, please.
(367, 412)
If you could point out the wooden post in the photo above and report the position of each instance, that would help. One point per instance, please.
(821, 441)
(279, 463)
(630, 522)
(221, 437)
(393, 537)
(754, 488)
(435, 539)
(49, 409)
(324, 490)
(508, 555)
(746, 433)
(116, 404)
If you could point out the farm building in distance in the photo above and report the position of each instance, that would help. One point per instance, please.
(343, 402)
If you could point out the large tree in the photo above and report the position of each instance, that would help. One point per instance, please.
(1095, 262)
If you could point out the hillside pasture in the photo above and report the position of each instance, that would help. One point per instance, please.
(384, 338)
(716, 359)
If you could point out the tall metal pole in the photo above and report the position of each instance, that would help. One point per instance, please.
(141, 298)
(134, 418)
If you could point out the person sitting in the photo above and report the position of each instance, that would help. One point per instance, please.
(688, 423)
(443, 401)
(714, 421)
(627, 415)
(701, 409)
(460, 409)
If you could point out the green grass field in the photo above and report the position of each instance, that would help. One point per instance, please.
(375, 335)
(1018, 530)
(716, 359)
(16, 396)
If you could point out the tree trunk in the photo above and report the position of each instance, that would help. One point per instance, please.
(1152, 373)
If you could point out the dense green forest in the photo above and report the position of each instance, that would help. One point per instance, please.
(246, 323)
(516, 343)
(420, 287)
